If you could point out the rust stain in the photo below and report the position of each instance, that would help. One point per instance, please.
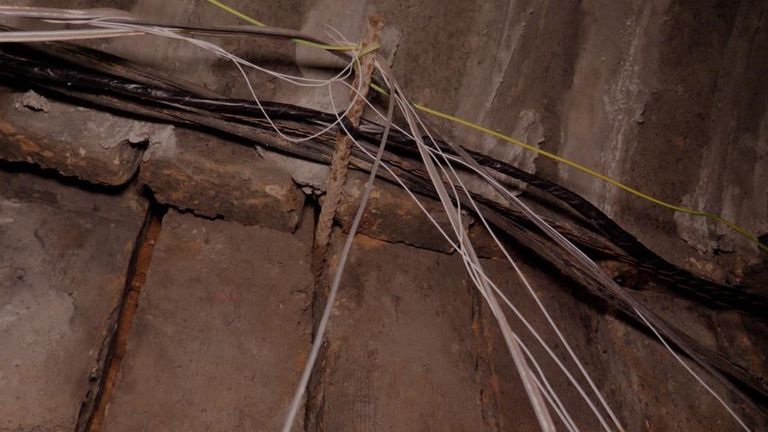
(493, 382)
(26, 145)
(193, 247)
(476, 329)
(135, 282)
(220, 296)
(299, 361)
(367, 242)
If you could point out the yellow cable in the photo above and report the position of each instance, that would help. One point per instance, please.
(746, 234)
(257, 23)
(585, 169)
(237, 13)
(594, 173)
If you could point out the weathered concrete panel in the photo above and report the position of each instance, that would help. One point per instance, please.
(400, 353)
(214, 177)
(64, 254)
(392, 215)
(93, 145)
(221, 333)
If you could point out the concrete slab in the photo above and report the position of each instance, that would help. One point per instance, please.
(392, 215)
(214, 177)
(92, 145)
(221, 332)
(400, 344)
(505, 400)
(63, 261)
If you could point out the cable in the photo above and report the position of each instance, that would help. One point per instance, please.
(239, 62)
(257, 23)
(526, 375)
(688, 368)
(562, 411)
(536, 298)
(593, 267)
(74, 35)
(63, 35)
(693, 212)
(595, 174)
(728, 408)
(498, 291)
(477, 210)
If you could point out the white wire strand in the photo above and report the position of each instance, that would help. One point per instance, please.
(525, 282)
(548, 390)
(455, 246)
(169, 33)
(577, 252)
(120, 28)
(526, 375)
(63, 35)
(547, 315)
(636, 306)
(690, 371)
(477, 210)
(239, 63)
(582, 257)
(322, 326)
(527, 285)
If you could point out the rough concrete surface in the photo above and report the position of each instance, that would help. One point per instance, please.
(63, 261)
(400, 354)
(221, 332)
(214, 177)
(392, 215)
(95, 146)
(680, 115)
